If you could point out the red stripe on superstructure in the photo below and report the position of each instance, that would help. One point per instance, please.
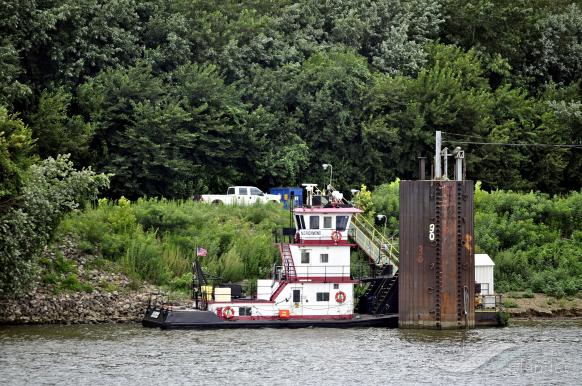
(278, 290)
(328, 243)
(295, 317)
(325, 279)
(247, 301)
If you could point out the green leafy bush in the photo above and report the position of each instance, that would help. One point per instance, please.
(51, 189)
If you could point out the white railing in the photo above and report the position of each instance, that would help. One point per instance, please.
(322, 272)
(376, 245)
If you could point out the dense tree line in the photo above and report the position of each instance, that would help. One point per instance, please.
(176, 97)
(180, 97)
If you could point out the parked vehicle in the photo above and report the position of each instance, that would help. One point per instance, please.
(241, 195)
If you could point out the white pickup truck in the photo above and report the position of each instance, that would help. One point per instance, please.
(241, 195)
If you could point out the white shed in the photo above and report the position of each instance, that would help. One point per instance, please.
(484, 273)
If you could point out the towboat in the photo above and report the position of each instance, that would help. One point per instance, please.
(313, 286)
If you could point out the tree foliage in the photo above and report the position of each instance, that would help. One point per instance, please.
(179, 97)
(51, 189)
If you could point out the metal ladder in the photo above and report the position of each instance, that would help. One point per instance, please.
(379, 248)
(376, 245)
(288, 264)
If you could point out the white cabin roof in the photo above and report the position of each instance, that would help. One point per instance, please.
(483, 260)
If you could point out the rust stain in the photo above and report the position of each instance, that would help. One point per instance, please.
(468, 243)
(420, 254)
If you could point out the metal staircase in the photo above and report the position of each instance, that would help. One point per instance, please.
(374, 243)
(288, 265)
(386, 295)
(379, 248)
(381, 296)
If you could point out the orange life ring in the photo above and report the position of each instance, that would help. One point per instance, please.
(228, 312)
(336, 236)
(340, 297)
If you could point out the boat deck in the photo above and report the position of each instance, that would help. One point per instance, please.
(195, 319)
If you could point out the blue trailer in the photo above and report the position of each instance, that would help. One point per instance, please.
(286, 194)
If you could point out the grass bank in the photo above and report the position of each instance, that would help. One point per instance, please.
(155, 240)
(534, 239)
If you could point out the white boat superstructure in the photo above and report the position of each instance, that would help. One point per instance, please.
(314, 278)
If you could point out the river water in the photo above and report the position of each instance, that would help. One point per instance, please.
(524, 353)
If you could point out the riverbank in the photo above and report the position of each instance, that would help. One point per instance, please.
(541, 306)
(74, 287)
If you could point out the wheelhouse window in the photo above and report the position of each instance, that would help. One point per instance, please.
(230, 191)
(322, 297)
(300, 222)
(326, 222)
(243, 191)
(336, 286)
(324, 258)
(341, 222)
(304, 257)
(256, 192)
(313, 222)
(245, 311)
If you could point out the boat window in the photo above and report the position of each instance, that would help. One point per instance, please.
(256, 192)
(304, 257)
(324, 258)
(242, 191)
(322, 297)
(299, 221)
(341, 222)
(326, 222)
(302, 222)
(336, 286)
(296, 296)
(244, 311)
(230, 191)
(313, 222)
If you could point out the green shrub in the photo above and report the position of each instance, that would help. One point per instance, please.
(510, 303)
(71, 282)
(50, 278)
(181, 283)
(62, 265)
(52, 189)
(528, 294)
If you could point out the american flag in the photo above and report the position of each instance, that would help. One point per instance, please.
(201, 252)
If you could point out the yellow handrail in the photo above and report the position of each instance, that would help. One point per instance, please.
(376, 236)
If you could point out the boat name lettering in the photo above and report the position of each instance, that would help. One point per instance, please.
(312, 233)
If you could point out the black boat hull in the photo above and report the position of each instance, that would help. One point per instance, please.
(194, 319)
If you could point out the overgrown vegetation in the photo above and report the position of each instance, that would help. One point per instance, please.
(174, 98)
(49, 191)
(156, 240)
(534, 239)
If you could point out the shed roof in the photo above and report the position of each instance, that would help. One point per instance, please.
(483, 260)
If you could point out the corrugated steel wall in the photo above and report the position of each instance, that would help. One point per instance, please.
(484, 274)
(437, 258)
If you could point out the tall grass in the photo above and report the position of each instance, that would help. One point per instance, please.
(156, 239)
